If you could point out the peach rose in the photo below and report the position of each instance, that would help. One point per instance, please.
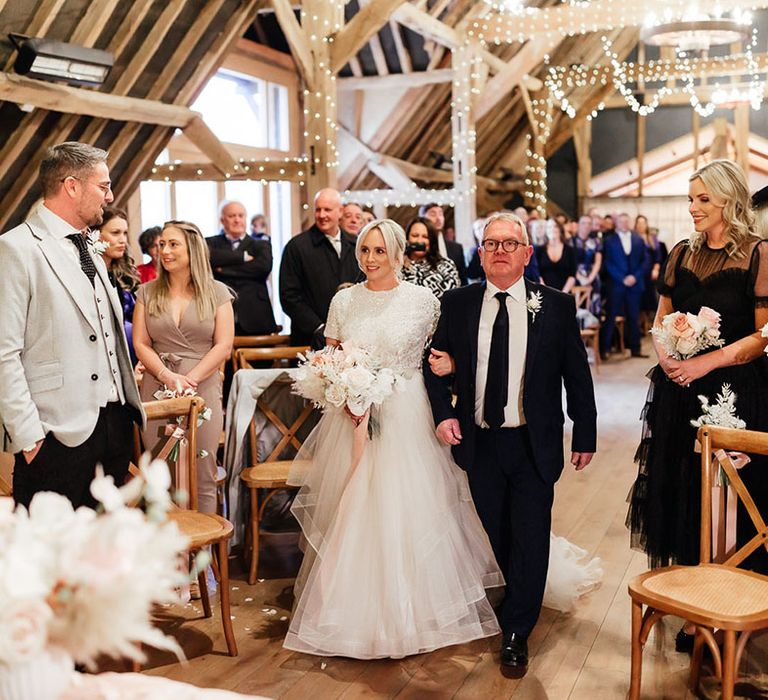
(682, 327)
(709, 317)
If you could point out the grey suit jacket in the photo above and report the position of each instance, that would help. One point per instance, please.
(48, 353)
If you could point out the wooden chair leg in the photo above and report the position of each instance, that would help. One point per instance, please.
(204, 597)
(215, 564)
(729, 665)
(596, 350)
(696, 659)
(254, 529)
(637, 651)
(226, 620)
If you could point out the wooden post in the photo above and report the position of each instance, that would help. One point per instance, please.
(319, 20)
(741, 135)
(640, 154)
(536, 164)
(464, 60)
(696, 128)
(582, 142)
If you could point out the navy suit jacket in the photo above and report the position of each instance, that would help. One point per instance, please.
(555, 355)
(618, 264)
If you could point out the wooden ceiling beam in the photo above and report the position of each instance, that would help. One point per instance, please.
(297, 41)
(90, 27)
(269, 170)
(360, 30)
(396, 80)
(599, 15)
(200, 134)
(58, 97)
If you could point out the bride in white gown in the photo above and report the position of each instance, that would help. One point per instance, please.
(396, 560)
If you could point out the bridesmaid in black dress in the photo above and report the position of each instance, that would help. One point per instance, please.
(723, 266)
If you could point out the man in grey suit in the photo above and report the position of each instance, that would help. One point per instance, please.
(68, 398)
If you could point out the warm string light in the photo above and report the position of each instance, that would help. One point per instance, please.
(244, 169)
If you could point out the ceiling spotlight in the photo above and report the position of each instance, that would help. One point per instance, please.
(57, 60)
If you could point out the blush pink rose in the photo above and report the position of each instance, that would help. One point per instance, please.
(709, 317)
(682, 328)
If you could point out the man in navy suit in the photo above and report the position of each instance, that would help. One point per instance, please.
(624, 260)
(513, 344)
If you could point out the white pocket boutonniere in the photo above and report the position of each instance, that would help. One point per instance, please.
(533, 304)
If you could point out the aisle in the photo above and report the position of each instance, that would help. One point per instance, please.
(582, 656)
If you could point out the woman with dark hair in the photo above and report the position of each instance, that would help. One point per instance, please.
(657, 256)
(148, 243)
(557, 261)
(423, 264)
(113, 233)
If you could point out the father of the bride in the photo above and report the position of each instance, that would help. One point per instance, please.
(513, 343)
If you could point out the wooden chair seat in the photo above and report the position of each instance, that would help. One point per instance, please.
(271, 475)
(201, 529)
(706, 594)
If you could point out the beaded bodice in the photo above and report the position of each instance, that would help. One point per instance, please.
(395, 324)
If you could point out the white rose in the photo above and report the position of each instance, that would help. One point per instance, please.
(358, 405)
(686, 346)
(335, 395)
(23, 629)
(358, 379)
(103, 489)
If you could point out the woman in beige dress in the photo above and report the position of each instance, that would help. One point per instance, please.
(183, 327)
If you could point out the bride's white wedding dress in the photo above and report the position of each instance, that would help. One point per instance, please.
(396, 560)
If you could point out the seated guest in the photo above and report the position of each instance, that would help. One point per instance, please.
(183, 327)
(423, 265)
(148, 244)
(448, 249)
(122, 272)
(314, 264)
(259, 228)
(557, 261)
(352, 219)
(243, 264)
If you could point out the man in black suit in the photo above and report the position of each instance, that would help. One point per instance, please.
(513, 343)
(448, 249)
(314, 264)
(244, 264)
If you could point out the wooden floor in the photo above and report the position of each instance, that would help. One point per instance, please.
(581, 656)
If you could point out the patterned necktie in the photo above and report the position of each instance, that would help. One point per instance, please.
(86, 261)
(497, 382)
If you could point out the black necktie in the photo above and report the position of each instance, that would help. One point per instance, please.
(496, 385)
(86, 261)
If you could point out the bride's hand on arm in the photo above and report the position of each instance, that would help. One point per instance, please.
(441, 363)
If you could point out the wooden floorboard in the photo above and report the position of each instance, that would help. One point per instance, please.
(579, 656)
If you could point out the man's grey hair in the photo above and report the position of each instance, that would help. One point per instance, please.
(227, 202)
(508, 218)
(68, 159)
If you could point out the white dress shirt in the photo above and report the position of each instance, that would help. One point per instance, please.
(60, 229)
(626, 241)
(518, 339)
(441, 247)
(335, 241)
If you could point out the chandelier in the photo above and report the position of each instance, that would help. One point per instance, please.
(699, 34)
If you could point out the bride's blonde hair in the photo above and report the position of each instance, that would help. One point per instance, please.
(394, 241)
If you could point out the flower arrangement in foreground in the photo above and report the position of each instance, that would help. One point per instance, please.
(684, 335)
(345, 376)
(82, 582)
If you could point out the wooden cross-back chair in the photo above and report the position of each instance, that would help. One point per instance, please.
(272, 472)
(281, 356)
(590, 336)
(256, 341)
(201, 529)
(711, 596)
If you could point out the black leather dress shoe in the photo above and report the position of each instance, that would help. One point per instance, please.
(639, 353)
(514, 651)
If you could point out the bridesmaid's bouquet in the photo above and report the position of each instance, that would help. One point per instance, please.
(345, 376)
(684, 335)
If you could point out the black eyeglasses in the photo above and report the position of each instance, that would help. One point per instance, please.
(509, 245)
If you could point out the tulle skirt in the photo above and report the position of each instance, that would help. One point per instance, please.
(571, 574)
(396, 559)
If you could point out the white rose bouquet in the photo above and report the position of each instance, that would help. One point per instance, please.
(684, 335)
(346, 376)
(83, 583)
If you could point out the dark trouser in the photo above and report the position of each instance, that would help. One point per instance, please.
(515, 506)
(621, 300)
(70, 470)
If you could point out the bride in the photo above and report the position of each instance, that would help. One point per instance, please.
(396, 560)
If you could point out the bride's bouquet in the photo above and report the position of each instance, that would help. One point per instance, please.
(684, 335)
(346, 376)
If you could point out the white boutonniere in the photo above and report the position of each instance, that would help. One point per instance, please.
(99, 245)
(533, 304)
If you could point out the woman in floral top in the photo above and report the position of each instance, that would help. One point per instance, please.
(423, 263)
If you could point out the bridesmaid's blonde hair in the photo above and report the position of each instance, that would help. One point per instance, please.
(725, 182)
(201, 276)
